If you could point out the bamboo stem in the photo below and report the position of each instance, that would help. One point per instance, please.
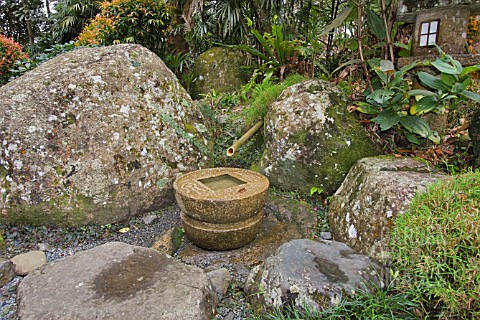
(244, 138)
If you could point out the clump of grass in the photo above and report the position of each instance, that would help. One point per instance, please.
(264, 94)
(436, 249)
(375, 303)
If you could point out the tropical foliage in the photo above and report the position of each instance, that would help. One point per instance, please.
(146, 22)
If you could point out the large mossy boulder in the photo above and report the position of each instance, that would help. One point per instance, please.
(376, 190)
(311, 138)
(95, 136)
(221, 69)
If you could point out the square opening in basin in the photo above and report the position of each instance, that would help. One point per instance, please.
(222, 182)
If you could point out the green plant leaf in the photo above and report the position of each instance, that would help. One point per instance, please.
(376, 24)
(420, 92)
(433, 82)
(445, 67)
(380, 96)
(471, 95)
(412, 138)
(469, 69)
(416, 125)
(424, 105)
(387, 119)
(337, 22)
(367, 108)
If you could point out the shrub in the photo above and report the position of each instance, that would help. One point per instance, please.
(10, 52)
(436, 248)
(146, 22)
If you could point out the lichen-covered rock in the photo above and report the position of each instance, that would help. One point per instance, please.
(94, 136)
(219, 68)
(312, 274)
(311, 138)
(375, 191)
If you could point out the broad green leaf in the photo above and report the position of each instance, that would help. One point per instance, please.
(380, 96)
(402, 45)
(424, 105)
(412, 138)
(471, 95)
(416, 125)
(470, 69)
(419, 92)
(387, 119)
(432, 82)
(458, 87)
(457, 65)
(408, 67)
(376, 24)
(337, 22)
(367, 108)
(444, 67)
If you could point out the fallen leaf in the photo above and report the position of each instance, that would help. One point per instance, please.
(124, 230)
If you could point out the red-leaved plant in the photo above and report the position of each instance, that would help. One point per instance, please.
(10, 52)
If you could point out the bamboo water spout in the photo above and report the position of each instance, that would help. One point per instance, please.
(244, 138)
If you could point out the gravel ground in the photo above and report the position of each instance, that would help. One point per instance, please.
(63, 242)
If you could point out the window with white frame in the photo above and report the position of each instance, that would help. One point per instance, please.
(429, 33)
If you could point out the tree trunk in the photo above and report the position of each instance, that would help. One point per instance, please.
(26, 10)
(47, 7)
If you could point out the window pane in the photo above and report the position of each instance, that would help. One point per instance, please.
(432, 39)
(424, 28)
(433, 26)
(423, 40)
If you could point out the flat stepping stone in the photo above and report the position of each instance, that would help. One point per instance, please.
(117, 281)
(307, 273)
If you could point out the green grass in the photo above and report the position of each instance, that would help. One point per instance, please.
(364, 305)
(436, 249)
(264, 94)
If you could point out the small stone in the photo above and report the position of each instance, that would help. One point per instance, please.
(151, 218)
(229, 316)
(164, 243)
(7, 272)
(28, 262)
(43, 247)
(326, 235)
(220, 279)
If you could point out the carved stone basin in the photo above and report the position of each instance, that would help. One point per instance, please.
(222, 208)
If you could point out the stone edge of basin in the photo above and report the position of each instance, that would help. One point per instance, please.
(255, 183)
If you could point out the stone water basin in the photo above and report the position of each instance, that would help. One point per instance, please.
(221, 208)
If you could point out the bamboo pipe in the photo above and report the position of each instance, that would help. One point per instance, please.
(244, 138)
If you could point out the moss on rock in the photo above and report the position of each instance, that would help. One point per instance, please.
(312, 140)
(220, 69)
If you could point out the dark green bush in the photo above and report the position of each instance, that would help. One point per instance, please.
(436, 249)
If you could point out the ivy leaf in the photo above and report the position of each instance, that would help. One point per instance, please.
(387, 119)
